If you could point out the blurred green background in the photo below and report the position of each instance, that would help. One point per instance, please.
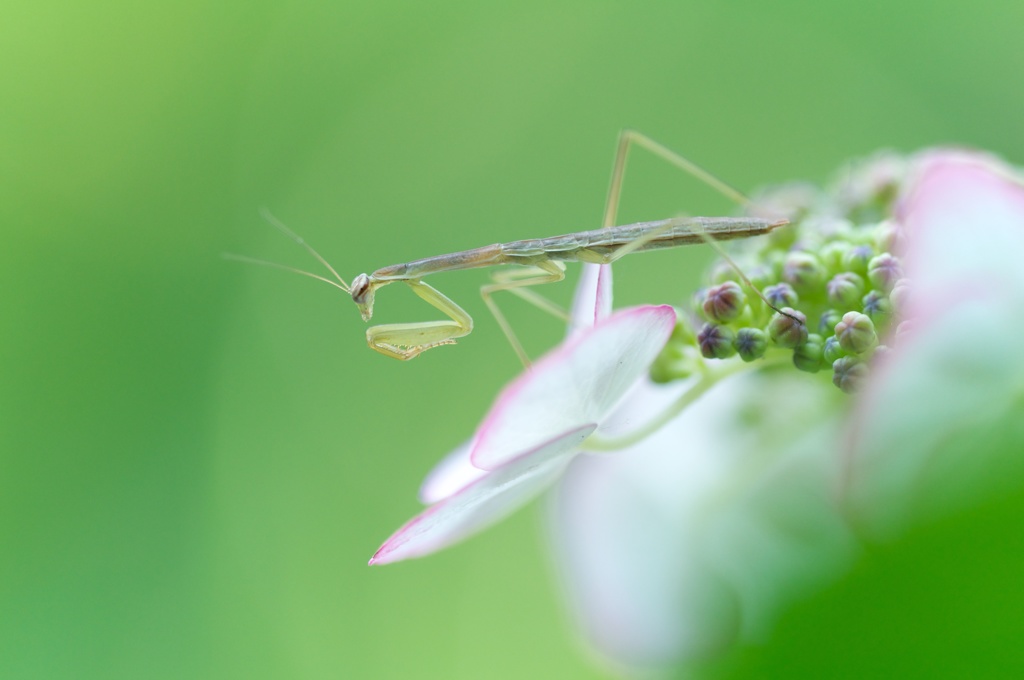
(198, 457)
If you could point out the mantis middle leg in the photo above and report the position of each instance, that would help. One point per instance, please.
(516, 282)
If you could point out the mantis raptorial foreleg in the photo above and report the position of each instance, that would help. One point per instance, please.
(516, 282)
(409, 340)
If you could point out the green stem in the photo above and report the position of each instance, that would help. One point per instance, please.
(708, 379)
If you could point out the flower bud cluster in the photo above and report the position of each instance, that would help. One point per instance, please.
(826, 289)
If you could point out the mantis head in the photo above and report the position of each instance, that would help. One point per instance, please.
(362, 294)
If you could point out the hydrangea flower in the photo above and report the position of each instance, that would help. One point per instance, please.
(538, 423)
(760, 493)
(737, 485)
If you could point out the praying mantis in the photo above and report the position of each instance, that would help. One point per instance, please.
(540, 261)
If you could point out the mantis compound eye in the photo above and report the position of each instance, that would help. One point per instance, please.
(360, 288)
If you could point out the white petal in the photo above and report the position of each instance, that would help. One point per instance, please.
(483, 502)
(644, 402)
(960, 375)
(454, 472)
(576, 385)
(964, 218)
(697, 536)
(592, 301)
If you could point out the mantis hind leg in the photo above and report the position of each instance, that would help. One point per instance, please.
(408, 340)
(517, 282)
(628, 138)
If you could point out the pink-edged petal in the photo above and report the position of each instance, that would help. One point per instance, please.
(960, 374)
(963, 214)
(644, 402)
(454, 472)
(592, 301)
(484, 501)
(575, 385)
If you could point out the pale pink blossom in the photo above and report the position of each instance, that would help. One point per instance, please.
(919, 443)
(538, 423)
(700, 535)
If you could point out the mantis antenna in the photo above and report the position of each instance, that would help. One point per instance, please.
(269, 217)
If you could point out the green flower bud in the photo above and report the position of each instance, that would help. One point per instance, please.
(792, 201)
(803, 271)
(808, 356)
(724, 302)
(849, 374)
(677, 360)
(856, 333)
(721, 272)
(832, 350)
(856, 259)
(716, 342)
(788, 329)
(781, 295)
(670, 365)
(884, 270)
(832, 255)
(845, 290)
(750, 343)
(761, 276)
(828, 321)
(877, 305)
(682, 334)
(697, 301)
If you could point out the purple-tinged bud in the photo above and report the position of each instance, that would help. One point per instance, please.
(849, 374)
(791, 201)
(884, 271)
(904, 330)
(856, 259)
(877, 305)
(724, 302)
(716, 342)
(788, 329)
(900, 295)
(856, 333)
(750, 343)
(845, 290)
(803, 271)
(781, 295)
(828, 321)
(889, 237)
(872, 183)
(880, 355)
(808, 356)
(832, 350)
